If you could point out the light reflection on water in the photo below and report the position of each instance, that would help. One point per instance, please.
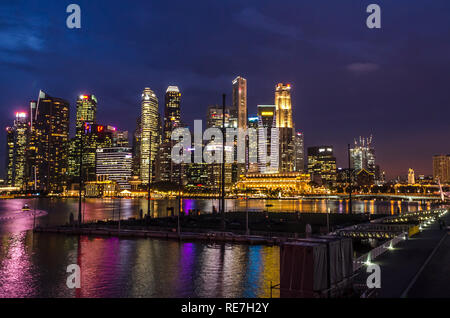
(34, 265)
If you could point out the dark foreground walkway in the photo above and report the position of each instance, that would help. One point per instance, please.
(409, 271)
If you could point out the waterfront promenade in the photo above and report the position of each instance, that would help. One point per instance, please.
(418, 267)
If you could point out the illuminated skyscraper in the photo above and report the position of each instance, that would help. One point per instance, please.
(299, 153)
(411, 178)
(150, 135)
(285, 127)
(268, 158)
(240, 100)
(17, 141)
(322, 164)
(441, 168)
(166, 169)
(252, 145)
(362, 155)
(47, 155)
(284, 105)
(239, 97)
(86, 115)
(172, 117)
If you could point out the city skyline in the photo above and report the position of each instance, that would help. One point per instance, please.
(333, 83)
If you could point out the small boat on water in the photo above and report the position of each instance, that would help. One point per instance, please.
(26, 207)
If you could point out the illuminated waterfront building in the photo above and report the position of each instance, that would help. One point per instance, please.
(252, 145)
(101, 187)
(411, 178)
(17, 141)
(299, 152)
(115, 163)
(150, 135)
(290, 183)
(268, 158)
(47, 152)
(285, 127)
(322, 165)
(441, 168)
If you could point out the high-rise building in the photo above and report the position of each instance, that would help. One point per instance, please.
(119, 137)
(47, 152)
(240, 100)
(239, 97)
(166, 169)
(268, 152)
(284, 105)
(362, 155)
(214, 120)
(285, 127)
(411, 178)
(150, 135)
(86, 115)
(17, 141)
(136, 149)
(214, 117)
(252, 145)
(115, 164)
(441, 168)
(322, 165)
(172, 115)
(299, 152)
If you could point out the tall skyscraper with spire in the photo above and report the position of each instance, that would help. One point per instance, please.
(150, 135)
(285, 127)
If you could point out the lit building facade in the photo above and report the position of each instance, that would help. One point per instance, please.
(47, 160)
(150, 135)
(166, 169)
(86, 115)
(289, 183)
(441, 168)
(299, 152)
(17, 142)
(116, 164)
(411, 177)
(322, 165)
(285, 127)
(362, 155)
(268, 152)
(239, 96)
(214, 119)
(252, 145)
(136, 149)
